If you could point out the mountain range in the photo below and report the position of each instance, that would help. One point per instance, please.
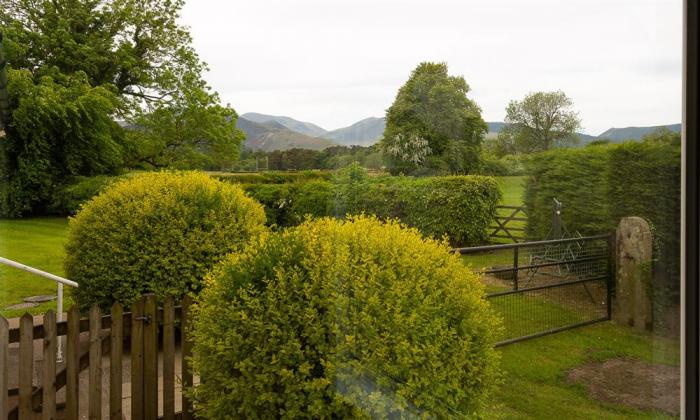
(270, 132)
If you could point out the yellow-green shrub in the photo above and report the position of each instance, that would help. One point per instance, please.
(344, 319)
(156, 232)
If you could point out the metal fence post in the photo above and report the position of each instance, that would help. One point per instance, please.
(515, 267)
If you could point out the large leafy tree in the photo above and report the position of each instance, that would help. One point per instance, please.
(60, 127)
(135, 46)
(430, 116)
(133, 51)
(539, 122)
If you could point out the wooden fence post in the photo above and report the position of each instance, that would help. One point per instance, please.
(48, 400)
(115, 362)
(26, 365)
(187, 378)
(169, 359)
(95, 390)
(137, 360)
(4, 366)
(72, 363)
(150, 358)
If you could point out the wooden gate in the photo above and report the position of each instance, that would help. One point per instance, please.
(510, 224)
(148, 341)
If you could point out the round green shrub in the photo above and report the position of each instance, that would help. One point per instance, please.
(156, 232)
(344, 319)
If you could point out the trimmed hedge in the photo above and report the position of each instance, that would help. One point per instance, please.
(344, 319)
(273, 177)
(156, 232)
(457, 207)
(599, 185)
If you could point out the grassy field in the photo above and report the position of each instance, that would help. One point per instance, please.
(37, 242)
(534, 372)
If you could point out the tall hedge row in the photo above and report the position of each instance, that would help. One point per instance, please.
(272, 177)
(457, 207)
(600, 185)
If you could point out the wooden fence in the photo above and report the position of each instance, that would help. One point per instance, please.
(153, 333)
(510, 224)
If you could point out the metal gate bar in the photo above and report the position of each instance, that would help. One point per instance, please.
(545, 287)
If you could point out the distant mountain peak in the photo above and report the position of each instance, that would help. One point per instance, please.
(301, 127)
(365, 132)
(272, 135)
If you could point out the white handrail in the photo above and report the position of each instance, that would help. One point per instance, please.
(60, 281)
(33, 270)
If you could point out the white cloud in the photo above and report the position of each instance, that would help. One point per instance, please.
(333, 62)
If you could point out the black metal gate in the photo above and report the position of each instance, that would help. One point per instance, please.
(544, 287)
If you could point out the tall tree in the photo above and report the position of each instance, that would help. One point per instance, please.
(136, 53)
(540, 121)
(136, 46)
(432, 114)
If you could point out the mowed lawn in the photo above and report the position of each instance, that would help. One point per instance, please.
(37, 242)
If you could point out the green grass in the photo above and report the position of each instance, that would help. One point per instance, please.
(37, 242)
(512, 188)
(534, 373)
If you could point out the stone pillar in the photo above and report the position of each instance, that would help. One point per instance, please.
(632, 305)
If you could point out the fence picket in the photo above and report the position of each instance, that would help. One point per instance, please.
(4, 365)
(137, 360)
(95, 386)
(115, 362)
(26, 365)
(150, 358)
(169, 359)
(187, 379)
(72, 363)
(48, 400)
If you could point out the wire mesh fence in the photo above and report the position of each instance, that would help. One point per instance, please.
(546, 286)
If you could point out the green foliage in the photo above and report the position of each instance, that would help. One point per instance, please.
(156, 232)
(81, 64)
(599, 185)
(432, 116)
(60, 127)
(137, 47)
(277, 202)
(273, 177)
(354, 319)
(576, 177)
(68, 198)
(458, 207)
(540, 121)
(190, 130)
(315, 198)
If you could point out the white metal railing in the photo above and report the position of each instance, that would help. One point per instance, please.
(60, 281)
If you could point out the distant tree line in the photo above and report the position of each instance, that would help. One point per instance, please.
(335, 157)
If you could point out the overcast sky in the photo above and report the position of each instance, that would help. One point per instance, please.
(334, 62)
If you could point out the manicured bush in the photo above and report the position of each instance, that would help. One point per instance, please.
(156, 232)
(460, 208)
(315, 198)
(344, 319)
